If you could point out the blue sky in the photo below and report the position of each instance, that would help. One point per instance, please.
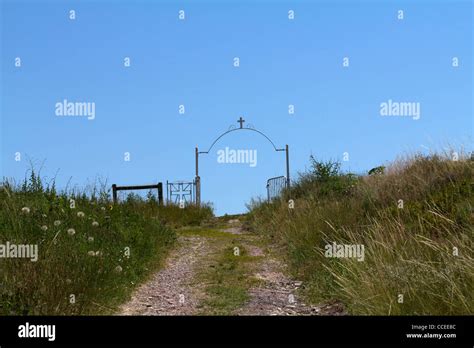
(190, 62)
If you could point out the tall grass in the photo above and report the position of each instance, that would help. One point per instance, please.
(91, 253)
(415, 221)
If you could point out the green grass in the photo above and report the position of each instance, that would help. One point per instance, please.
(90, 264)
(409, 251)
(228, 281)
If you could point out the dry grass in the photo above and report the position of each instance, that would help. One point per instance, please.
(423, 251)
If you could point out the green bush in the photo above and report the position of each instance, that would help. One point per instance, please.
(324, 179)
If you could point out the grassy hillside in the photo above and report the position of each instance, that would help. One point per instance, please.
(415, 220)
(91, 253)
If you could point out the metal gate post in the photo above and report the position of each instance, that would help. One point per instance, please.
(198, 180)
(287, 167)
(268, 191)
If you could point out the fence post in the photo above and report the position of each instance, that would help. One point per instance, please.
(198, 180)
(287, 167)
(160, 193)
(114, 193)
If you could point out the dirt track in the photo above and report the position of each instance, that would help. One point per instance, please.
(174, 290)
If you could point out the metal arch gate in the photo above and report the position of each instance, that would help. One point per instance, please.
(274, 185)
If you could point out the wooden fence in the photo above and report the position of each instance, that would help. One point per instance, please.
(158, 187)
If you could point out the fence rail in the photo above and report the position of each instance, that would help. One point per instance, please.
(158, 187)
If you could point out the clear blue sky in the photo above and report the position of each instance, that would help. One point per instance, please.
(190, 62)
